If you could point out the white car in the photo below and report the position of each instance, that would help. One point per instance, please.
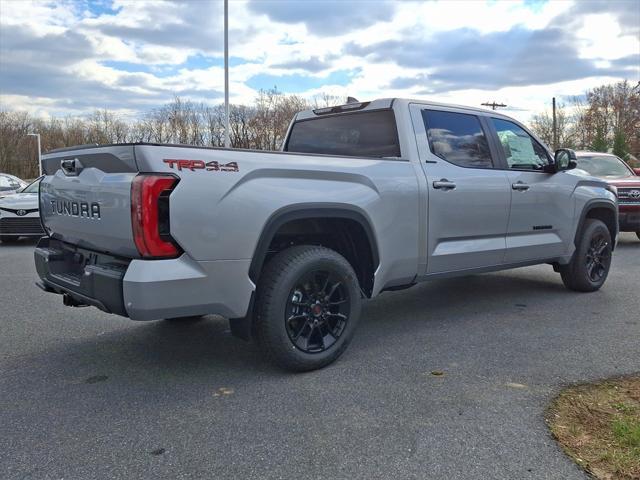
(19, 214)
(10, 184)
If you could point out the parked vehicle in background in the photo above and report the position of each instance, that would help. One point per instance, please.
(10, 184)
(616, 172)
(20, 215)
(365, 197)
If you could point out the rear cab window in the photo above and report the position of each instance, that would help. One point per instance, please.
(457, 138)
(361, 134)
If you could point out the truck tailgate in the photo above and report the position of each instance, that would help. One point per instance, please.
(85, 198)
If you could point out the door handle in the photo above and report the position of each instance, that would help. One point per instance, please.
(520, 186)
(444, 184)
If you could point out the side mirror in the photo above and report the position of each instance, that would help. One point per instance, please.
(637, 170)
(565, 159)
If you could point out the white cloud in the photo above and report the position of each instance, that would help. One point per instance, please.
(601, 37)
(41, 17)
(73, 57)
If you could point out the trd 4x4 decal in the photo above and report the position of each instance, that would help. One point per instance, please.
(194, 165)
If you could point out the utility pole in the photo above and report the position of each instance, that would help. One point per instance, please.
(37, 135)
(493, 105)
(555, 126)
(227, 142)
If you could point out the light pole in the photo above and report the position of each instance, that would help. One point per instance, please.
(37, 135)
(227, 143)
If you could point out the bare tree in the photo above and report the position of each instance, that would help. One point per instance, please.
(595, 119)
(324, 99)
(610, 109)
(542, 125)
(271, 117)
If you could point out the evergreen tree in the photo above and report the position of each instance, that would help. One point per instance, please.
(600, 143)
(620, 145)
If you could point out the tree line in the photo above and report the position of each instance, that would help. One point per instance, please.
(261, 126)
(604, 118)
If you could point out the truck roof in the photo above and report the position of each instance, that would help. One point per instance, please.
(383, 103)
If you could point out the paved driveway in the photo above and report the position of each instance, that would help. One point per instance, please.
(87, 395)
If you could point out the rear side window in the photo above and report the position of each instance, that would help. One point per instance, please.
(457, 138)
(362, 134)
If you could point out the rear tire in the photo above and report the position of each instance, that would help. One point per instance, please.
(591, 261)
(307, 308)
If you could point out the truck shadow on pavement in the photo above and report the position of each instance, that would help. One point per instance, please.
(205, 349)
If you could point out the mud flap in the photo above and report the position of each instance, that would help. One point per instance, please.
(242, 328)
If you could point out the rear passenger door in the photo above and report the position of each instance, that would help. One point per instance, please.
(541, 215)
(468, 198)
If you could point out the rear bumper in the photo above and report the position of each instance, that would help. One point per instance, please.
(83, 277)
(145, 289)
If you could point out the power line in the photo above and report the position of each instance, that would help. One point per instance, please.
(493, 105)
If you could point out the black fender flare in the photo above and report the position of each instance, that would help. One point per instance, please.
(308, 211)
(591, 205)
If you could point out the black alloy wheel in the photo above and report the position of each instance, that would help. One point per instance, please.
(591, 261)
(598, 257)
(308, 303)
(317, 312)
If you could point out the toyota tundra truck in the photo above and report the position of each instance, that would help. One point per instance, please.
(363, 198)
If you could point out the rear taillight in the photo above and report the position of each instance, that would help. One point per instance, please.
(150, 215)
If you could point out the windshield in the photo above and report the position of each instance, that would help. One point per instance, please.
(32, 187)
(363, 134)
(604, 166)
(8, 183)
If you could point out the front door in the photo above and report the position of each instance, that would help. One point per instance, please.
(468, 198)
(541, 218)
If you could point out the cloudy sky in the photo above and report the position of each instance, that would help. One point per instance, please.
(71, 57)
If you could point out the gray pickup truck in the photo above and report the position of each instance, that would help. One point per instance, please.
(363, 198)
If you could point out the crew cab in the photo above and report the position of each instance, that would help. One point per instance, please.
(364, 197)
(626, 180)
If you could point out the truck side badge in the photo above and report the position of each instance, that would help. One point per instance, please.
(193, 165)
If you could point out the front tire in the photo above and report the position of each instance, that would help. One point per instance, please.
(307, 307)
(591, 261)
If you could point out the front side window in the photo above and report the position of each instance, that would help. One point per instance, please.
(457, 138)
(521, 150)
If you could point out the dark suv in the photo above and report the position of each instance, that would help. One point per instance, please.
(616, 172)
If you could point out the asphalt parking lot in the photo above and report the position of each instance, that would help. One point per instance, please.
(88, 395)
